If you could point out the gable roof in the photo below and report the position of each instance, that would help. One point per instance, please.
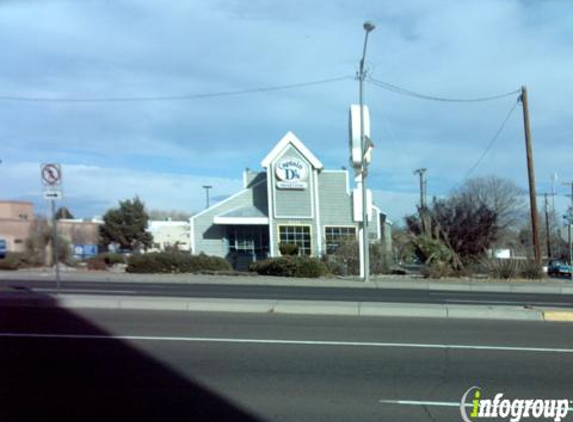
(291, 139)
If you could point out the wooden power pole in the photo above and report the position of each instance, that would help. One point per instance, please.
(547, 228)
(531, 174)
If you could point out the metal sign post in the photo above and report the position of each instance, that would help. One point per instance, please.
(51, 175)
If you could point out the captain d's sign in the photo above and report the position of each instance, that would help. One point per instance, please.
(291, 173)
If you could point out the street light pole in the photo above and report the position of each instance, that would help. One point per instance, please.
(207, 187)
(368, 27)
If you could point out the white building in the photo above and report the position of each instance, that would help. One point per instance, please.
(169, 234)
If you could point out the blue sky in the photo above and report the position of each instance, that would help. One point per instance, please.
(165, 151)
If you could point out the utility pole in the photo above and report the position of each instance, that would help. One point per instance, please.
(554, 178)
(547, 229)
(420, 172)
(570, 228)
(531, 174)
(368, 27)
(207, 187)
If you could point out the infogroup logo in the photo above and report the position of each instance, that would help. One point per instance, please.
(514, 409)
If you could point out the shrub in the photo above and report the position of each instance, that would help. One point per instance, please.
(175, 263)
(289, 266)
(437, 269)
(502, 268)
(96, 265)
(103, 261)
(531, 270)
(288, 248)
(16, 260)
(11, 262)
(345, 260)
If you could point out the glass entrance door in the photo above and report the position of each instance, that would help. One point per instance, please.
(247, 244)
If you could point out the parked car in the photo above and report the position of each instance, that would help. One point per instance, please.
(558, 268)
(3, 249)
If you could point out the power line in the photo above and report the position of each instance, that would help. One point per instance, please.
(407, 92)
(173, 97)
(492, 142)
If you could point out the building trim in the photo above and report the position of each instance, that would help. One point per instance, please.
(317, 212)
(241, 220)
(290, 138)
(272, 251)
(192, 233)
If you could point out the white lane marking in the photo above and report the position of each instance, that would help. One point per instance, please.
(290, 342)
(425, 403)
(431, 403)
(64, 290)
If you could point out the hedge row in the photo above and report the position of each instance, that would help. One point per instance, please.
(289, 266)
(16, 260)
(105, 260)
(175, 263)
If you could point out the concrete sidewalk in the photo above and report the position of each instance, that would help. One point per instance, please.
(553, 286)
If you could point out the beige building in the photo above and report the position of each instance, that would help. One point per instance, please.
(80, 232)
(16, 220)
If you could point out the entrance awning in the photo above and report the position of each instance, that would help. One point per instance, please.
(249, 215)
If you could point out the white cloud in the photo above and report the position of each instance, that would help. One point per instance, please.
(134, 48)
(90, 190)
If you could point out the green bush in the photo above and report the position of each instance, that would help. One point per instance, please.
(11, 262)
(289, 266)
(288, 248)
(175, 263)
(16, 260)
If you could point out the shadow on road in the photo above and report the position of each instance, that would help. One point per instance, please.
(88, 379)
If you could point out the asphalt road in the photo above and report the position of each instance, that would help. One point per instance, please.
(297, 293)
(170, 366)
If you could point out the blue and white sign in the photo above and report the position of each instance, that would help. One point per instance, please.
(85, 251)
(291, 173)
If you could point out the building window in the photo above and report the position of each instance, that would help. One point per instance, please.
(335, 236)
(297, 235)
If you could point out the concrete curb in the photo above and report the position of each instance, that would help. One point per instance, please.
(360, 309)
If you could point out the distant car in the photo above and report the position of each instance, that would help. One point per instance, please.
(3, 249)
(558, 268)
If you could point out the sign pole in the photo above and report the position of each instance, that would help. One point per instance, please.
(51, 176)
(55, 245)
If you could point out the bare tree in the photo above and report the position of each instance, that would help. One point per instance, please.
(499, 195)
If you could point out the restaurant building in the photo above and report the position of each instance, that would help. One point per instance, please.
(294, 199)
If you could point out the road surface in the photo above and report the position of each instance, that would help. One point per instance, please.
(176, 366)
